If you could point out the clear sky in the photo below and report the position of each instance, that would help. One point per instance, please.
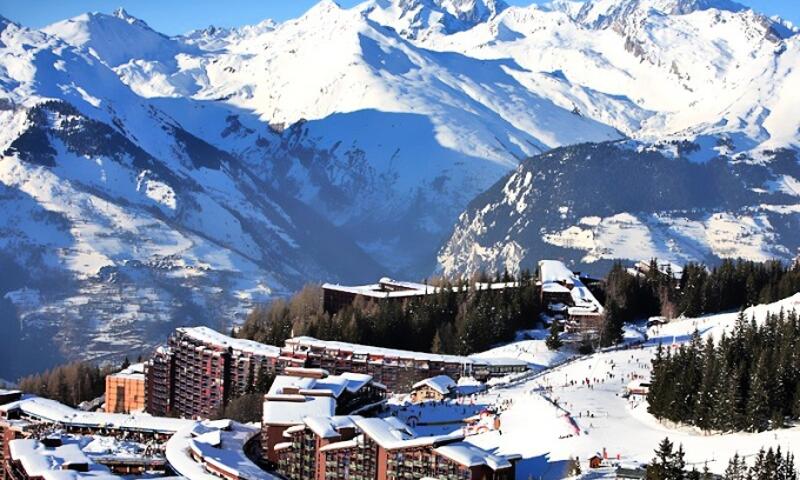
(179, 16)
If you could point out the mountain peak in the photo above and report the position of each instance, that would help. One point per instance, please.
(323, 7)
(121, 13)
(412, 17)
(601, 12)
(126, 17)
(116, 38)
(471, 11)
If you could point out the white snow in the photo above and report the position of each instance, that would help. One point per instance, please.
(52, 411)
(197, 450)
(554, 416)
(673, 238)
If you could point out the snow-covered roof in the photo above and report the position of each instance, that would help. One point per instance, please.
(497, 361)
(212, 337)
(285, 382)
(351, 382)
(441, 383)
(555, 271)
(289, 410)
(339, 445)
(52, 463)
(217, 445)
(388, 288)
(552, 287)
(391, 433)
(133, 372)
(469, 455)
(51, 411)
(334, 384)
(371, 350)
(396, 435)
(282, 446)
(356, 381)
(385, 288)
(328, 427)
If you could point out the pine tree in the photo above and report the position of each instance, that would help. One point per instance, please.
(553, 341)
(737, 470)
(787, 470)
(758, 413)
(707, 396)
(612, 332)
(678, 466)
(759, 469)
(667, 464)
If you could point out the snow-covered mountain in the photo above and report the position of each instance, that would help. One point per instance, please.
(123, 223)
(247, 160)
(396, 128)
(708, 82)
(594, 203)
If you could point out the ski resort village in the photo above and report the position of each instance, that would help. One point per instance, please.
(555, 402)
(400, 239)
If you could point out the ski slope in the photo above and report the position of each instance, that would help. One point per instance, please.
(554, 416)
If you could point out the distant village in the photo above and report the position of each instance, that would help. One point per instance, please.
(323, 416)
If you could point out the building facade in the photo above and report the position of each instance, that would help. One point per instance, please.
(434, 389)
(382, 449)
(567, 300)
(304, 393)
(158, 376)
(398, 370)
(125, 390)
(200, 369)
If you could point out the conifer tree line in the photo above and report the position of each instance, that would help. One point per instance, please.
(669, 464)
(70, 384)
(748, 380)
(448, 321)
(699, 290)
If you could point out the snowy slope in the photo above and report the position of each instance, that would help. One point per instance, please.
(552, 417)
(573, 407)
(680, 67)
(124, 223)
(116, 38)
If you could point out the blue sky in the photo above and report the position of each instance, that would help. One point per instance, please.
(179, 16)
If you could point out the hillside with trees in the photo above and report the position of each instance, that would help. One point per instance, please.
(70, 384)
(699, 289)
(445, 322)
(748, 380)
